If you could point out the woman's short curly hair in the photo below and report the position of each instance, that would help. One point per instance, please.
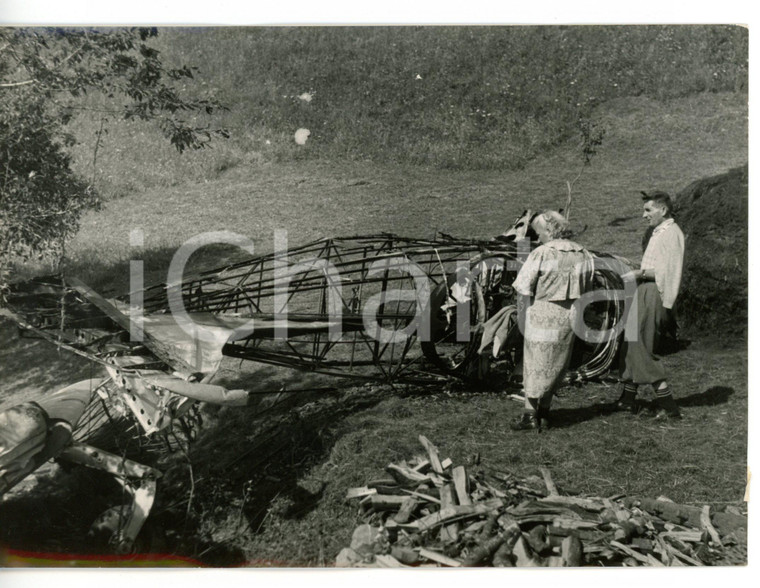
(557, 225)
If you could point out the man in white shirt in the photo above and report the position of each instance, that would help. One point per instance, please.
(659, 281)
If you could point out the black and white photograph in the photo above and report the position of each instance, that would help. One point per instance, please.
(375, 295)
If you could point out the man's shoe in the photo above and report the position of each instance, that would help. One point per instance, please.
(664, 415)
(528, 421)
(667, 409)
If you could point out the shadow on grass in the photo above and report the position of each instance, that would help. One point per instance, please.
(567, 417)
(710, 397)
(256, 461)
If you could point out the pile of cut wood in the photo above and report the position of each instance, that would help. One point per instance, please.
(431, 513)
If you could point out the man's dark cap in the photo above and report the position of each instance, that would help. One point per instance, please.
(654, 194)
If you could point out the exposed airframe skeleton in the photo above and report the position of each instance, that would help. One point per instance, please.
(350, 307)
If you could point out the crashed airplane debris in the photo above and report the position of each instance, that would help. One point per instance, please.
(347, 307)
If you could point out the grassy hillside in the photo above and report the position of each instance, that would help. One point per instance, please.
(448, 97)
(648, 144)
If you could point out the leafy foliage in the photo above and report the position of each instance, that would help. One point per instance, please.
(45, 75)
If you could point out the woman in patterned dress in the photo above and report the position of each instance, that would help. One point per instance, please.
(553, 277)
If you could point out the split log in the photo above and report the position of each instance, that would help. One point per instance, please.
(635, 554)
(388, 561)
(537, 539)
(524, 557)
(503, 557)
(385, 485)
(564, 523)
(380, 502)
(707, 526)
(686, 536)
(452, 513)
(439, 558)
(450, 532)
(459, 475)
(432, 453)
(672, 551)
(724, 522)
(504, 541)
(405, 555)
(422, 496)
(572, 552)
(407, 508)
(550, 486)
(405, 475)
(359, 492)
(589, 504)
(556, 534)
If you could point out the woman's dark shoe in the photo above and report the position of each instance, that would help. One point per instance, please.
(543, 419)
(526, 422)
(627, 405)
(627, 401)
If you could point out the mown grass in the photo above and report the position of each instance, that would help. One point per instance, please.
(447, 97)
(649, 144)
(290, 510)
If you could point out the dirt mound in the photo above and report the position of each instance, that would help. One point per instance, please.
(713, 214)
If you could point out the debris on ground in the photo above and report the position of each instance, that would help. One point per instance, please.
(431, 513)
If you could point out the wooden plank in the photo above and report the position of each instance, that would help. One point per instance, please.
(589, 504)
(385, 502)
(682, 556)
(446, 463)
(550, 486)
(563, 523)
(359, 492)
(160, 350)
(685, 536)
(406, 475)
(449, 532)
(439, 558)
(432, 453)
(459, 475)
(422, 495)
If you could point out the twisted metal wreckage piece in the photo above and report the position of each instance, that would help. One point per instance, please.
(348, 307)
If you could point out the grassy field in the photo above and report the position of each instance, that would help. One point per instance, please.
(301, 462)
